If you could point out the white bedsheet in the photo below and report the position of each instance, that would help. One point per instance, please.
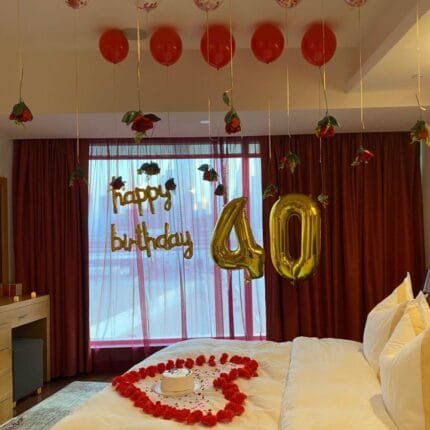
(107, 410)
(330, 386)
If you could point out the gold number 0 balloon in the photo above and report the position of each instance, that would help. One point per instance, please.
(249, 255)
(307, 210)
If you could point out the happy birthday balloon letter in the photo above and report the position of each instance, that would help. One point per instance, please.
(248, 255)
(303, 207)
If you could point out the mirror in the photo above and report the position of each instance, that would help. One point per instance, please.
(4, 244)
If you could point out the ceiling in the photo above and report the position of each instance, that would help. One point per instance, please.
(181, 94)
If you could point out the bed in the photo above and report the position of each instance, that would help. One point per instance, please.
(307, 384)
(108, 410)
(303, 394)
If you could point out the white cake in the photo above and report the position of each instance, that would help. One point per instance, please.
(177, 381)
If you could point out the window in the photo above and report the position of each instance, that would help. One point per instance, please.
(136, 299)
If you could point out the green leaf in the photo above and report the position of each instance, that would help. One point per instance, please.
(323, 122)
(204, 167)
(333, 121)
(19, 108)
(229, 116)
(130, 116)
(152, 117)
(226, 98)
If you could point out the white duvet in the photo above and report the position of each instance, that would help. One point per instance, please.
(109, 411)
(331, 386)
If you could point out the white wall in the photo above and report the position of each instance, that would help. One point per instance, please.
(6, 150)
(426, 196)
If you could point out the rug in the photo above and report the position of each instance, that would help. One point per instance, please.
(51, 410)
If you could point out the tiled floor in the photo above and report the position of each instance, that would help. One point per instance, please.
(52, 387)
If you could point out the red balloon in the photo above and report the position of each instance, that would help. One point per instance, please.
(216, 45)
(318, 44)
(166, 46)
(113, 46)
(267, 43)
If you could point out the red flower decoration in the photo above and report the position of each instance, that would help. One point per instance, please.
(326, 127)
(270, 191)
(291, 160)
(21, 113)
(77, 177)
(140, 123)
(362, 156)
(420, 133)
(124, 385)
(231, 119)
(117, 183)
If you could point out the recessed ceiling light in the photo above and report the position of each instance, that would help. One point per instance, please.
(204, 121)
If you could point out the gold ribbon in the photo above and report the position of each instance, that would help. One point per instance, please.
(269, 124)
(419, 76)
(75, 30)
(209, 118)
(20, 61)
(139, 100)
(287, 77)
(231, 56)
(363, 126)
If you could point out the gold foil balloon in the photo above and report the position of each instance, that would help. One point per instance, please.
(248, 255)
(302, 206)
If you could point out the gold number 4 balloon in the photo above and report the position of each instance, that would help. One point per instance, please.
(248, 255)
(282, 211)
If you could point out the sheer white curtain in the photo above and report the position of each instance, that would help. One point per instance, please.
(136, 299)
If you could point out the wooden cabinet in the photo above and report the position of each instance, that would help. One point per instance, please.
(26, 318)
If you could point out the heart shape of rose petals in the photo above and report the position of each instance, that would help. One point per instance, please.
(235, 406)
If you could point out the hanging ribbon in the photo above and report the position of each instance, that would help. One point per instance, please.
(362, 155)
(77, 177)
(419, 75)
(20, 112)
(139, 80)
(20, 61)
(269, 126)
(363, 127)
(322, 197)
(76, 83)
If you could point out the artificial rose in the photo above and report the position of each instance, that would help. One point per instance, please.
(420, 132)
(233, 126)
(362, 156)
(170, 184)
(21, 113)
(117, 183)
(142, 124)
(210, 175)
(326, 127)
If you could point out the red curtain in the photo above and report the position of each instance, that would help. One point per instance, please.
(372, 231)
(51, 243)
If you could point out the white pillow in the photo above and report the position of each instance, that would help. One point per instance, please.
(405, 369)
(382, 320)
